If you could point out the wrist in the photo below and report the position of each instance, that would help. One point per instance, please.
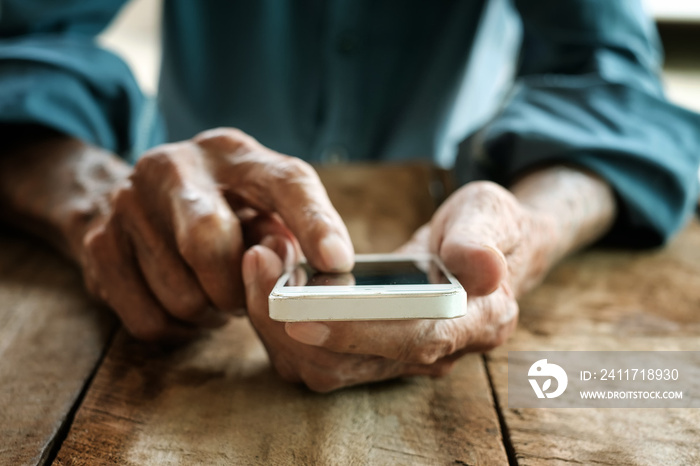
(75, 217)
(581, 204)
(571, 207)
(91, 175)
(544, 239)
(56, 188)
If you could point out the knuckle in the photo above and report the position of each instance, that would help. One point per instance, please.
(225, 139)
(166, 165)
(412, 353)
(488, 193)
(98, 253)
(197, 238)
(206, 221)
(429, 346)
(159, 161)
(425, 354)
(487, 189)
(294, 170)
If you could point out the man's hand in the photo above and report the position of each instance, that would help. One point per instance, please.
(498, 245)
(162, 243)
(320, 365)
(168, 255)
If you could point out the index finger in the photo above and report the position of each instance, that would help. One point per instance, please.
(272, 182)
(488, 322)
(299, 197)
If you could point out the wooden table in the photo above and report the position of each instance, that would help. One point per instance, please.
(76, 390)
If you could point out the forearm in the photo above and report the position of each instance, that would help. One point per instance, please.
(579, 206)
(54, 186)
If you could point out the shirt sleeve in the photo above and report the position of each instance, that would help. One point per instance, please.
(588, 94)
(53, 74)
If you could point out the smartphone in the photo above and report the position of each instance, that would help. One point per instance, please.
(380, 287)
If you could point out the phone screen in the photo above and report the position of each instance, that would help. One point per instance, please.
(371, 273)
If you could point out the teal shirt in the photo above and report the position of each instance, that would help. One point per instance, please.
(492, 88)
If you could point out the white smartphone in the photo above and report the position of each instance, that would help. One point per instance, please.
(380, 287)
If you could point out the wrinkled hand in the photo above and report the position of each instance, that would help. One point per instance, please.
(495, 247)
(167, 254)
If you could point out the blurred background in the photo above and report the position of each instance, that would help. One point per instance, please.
(135, 33)
(135, 36)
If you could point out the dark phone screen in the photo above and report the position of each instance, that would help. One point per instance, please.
(371, 273)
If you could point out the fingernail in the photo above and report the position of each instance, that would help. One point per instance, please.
(309, 333)
(336, 253)
(499, 254)
(250, 266)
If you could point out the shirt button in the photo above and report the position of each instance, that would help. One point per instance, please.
(346, 43)
(335, 154)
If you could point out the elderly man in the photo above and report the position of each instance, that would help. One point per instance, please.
(569, 144)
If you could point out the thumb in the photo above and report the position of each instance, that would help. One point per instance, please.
(471, 234)
(261, 270)
(479, 267)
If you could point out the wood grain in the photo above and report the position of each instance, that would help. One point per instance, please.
(609, 300)
(218, 402)
(51, 338)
